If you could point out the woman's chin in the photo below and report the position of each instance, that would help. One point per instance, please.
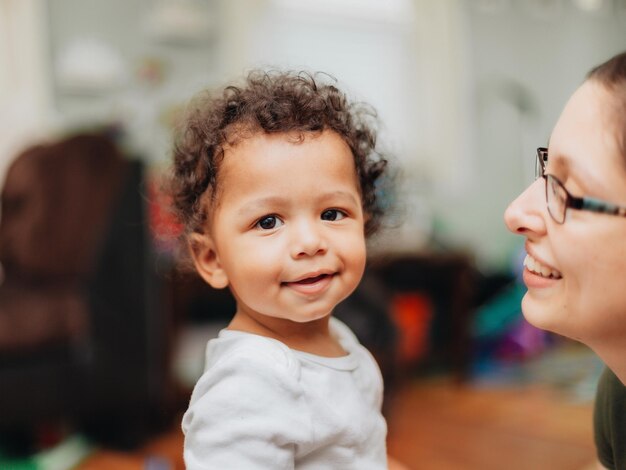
(540, 316)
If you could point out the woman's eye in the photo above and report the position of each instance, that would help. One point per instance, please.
(269, 222)
(333, 214)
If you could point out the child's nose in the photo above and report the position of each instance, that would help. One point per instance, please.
(307, 239)
(526, 214)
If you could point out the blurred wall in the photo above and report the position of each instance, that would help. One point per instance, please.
(25, 88)
(466, 89)
(526, 58)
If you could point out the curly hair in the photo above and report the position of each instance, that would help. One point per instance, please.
(269, 102)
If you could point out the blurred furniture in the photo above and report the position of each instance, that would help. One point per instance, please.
(431, 297)
(82, 328)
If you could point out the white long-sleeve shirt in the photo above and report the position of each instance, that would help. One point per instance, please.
(262, 405)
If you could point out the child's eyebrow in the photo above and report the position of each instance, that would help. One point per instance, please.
(262, 203)
(339, 194)
(276, 202)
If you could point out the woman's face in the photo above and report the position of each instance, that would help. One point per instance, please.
(575, 272)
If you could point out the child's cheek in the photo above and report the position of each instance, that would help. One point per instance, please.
(353, 252)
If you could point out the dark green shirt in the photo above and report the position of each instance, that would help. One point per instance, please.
(609, 421)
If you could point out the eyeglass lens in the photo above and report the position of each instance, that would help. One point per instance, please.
(556, 197)
(539, 165)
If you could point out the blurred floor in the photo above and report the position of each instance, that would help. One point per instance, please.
(162, 453)
(437, 425)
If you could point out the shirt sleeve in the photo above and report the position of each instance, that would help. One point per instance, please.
(602, 415)
(247, 411)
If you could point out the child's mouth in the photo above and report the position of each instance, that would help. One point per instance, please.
(312, 285)
(312, 280)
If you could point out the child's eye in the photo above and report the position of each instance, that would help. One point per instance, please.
(333, 214)
(269, 222)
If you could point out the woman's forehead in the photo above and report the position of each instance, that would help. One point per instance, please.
(585, 143)
(587, 128)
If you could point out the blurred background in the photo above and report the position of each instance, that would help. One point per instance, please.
(101, 333)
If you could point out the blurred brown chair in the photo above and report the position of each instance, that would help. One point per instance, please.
(82, 332)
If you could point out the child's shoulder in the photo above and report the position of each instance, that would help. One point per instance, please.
(246, 376)
(341, 331)
(240, 349)
(238, 352)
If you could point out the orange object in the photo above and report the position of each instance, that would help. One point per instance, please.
(412, 313)
(163, 224)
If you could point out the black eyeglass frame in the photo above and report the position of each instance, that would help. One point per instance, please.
(579, 203)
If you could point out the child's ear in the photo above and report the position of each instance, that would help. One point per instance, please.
(207, 261)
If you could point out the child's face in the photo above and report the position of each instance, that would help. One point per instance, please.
(287, 229)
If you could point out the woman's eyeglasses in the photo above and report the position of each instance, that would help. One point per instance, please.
(559, 199)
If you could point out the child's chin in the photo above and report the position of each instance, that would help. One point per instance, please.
(311, 317)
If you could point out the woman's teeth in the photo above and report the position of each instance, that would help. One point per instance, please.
(536, 267)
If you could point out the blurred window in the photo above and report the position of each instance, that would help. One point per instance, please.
(24, 91)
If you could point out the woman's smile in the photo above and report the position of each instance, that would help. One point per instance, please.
(538, 275)
(536, 267)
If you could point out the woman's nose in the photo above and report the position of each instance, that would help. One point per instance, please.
(526, 215)
(307, 239)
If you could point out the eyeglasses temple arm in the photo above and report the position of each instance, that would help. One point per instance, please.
(596, 205)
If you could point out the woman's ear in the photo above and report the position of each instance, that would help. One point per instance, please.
(206, 260)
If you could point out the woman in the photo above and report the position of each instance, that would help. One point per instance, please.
(574, 220)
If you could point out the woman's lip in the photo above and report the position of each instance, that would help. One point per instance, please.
(535, 281)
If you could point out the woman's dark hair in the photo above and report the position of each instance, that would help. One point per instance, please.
(612, 72)
(612, 75)
(268, 102)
